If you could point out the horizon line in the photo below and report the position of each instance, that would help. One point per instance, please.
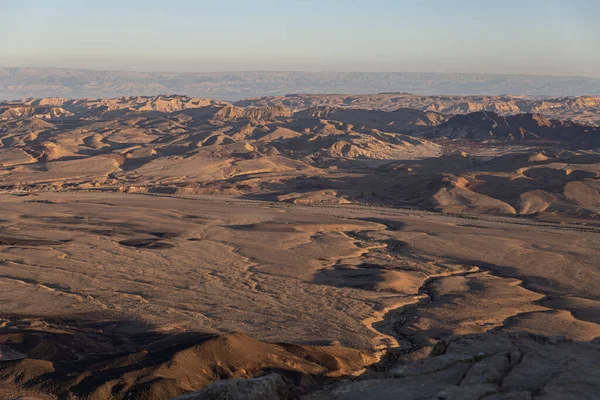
(233, 101)
(304, 72)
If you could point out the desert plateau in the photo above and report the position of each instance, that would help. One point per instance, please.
(302, 246)
(300, 200)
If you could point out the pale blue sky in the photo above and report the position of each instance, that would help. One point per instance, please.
(556, 37)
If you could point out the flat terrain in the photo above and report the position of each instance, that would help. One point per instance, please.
(224, 265)
(362, 277)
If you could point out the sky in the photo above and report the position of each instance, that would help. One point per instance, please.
(542, 37)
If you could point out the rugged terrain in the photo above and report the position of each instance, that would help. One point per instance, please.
(482, 162)
(325, 248)
(583, 109)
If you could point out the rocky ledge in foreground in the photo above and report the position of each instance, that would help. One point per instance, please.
(120, 360)
(491, 366)
(71, 360)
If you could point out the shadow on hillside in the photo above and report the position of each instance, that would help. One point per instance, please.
(92, 355)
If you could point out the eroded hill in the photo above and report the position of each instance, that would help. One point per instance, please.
(482, 162)
(583, 109)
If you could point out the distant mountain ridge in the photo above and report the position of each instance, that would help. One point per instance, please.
(17, 83)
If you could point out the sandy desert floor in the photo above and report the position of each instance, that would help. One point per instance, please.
(292, 273)
(361, 277)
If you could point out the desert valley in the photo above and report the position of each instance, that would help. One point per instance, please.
(309, 246)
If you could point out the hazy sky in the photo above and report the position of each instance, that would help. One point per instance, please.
(557, 37)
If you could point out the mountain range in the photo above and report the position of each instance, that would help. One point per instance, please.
(17, 83)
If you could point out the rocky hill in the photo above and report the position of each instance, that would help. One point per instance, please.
(484, 126)
(482, 162)
(585, 109)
